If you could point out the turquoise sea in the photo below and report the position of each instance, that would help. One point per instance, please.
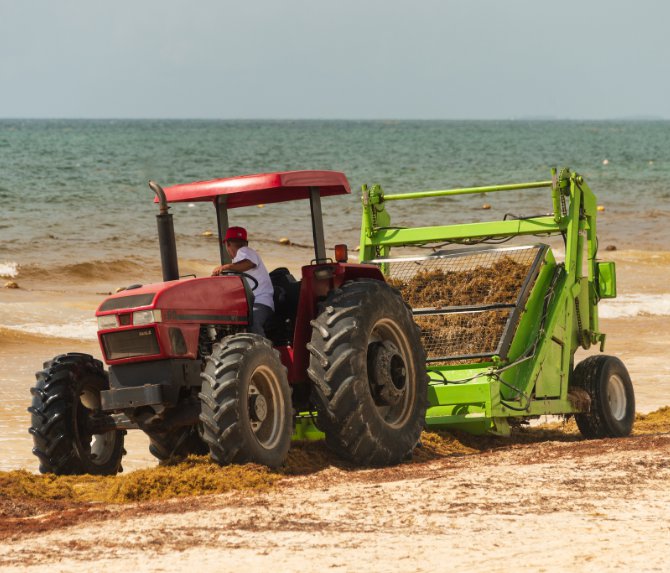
(73, 192)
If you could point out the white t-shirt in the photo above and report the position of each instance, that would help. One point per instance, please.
(264, 291)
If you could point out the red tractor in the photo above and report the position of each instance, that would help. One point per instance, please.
(184, 369)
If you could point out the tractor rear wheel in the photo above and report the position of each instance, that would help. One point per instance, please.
(612, 409)
(368, 367)
(66, 399)
(245, 397)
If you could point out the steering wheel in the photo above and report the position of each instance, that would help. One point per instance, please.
(241, 274)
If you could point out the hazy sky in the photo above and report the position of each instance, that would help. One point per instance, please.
(350, 59)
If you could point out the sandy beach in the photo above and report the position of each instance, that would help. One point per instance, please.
(599, 505)
(550, 505)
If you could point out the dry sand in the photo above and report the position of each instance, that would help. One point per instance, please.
(553, 506)
(550, 506)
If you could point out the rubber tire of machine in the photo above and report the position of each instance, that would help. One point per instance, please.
(67, 385)
(360, 315)
(612, 410)
(241, 368)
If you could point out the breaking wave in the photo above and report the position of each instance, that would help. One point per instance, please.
(90, 270)
(9, 269)
(35, 331)
(626, 306)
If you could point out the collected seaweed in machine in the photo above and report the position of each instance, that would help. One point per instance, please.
(468, 331)
(499, 282)
(462, 335)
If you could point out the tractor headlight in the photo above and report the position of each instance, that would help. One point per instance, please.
(107, 321)
(146, 317)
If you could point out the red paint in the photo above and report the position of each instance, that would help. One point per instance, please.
(286, 355)
(314, 290)
(216, 299)
(249, 190)
(187, 303)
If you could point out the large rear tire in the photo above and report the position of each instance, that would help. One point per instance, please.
(65, 399)
(368, 367)
(612, 409)
(246, 412)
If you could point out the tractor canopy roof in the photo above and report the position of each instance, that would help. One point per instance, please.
(248, 190)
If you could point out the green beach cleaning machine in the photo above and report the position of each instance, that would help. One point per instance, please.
(501, 322)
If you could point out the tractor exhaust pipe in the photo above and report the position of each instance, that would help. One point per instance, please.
(166, 240)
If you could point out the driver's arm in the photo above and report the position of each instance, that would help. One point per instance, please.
(238, 267)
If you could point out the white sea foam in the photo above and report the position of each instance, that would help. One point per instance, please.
(9, 269)
(79, 330)
(635, 305)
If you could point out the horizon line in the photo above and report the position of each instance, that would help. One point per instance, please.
(538, 118)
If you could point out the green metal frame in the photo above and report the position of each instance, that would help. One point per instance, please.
(560, 314)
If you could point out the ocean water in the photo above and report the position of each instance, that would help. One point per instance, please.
(75, 205)
(77, 189)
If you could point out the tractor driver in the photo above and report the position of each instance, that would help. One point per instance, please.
(246, 260)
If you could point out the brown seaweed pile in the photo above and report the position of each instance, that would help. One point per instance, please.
(463, 333)
(657, 422)
(24, 493)
(497, 283)
(197, 475)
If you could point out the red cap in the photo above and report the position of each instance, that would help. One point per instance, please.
(236, 233)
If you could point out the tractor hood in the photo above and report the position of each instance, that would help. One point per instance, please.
(205, 300)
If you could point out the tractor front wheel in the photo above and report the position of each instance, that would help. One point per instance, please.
(65, 402)
(612, 409)
(245, 397)
(368, 367)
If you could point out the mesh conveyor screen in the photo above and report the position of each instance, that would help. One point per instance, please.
(482, 277)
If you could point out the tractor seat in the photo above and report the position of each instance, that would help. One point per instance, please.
(280, 327)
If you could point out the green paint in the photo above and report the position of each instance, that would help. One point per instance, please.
(305, 428)
(534, 378)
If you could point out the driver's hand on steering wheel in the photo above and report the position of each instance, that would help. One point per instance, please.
(218, 270)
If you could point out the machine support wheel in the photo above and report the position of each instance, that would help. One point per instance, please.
(368, 367)
(65, 400)
(245, 397)
(612, 409)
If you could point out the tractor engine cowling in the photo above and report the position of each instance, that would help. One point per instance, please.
(163, 320)
(155, 336)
